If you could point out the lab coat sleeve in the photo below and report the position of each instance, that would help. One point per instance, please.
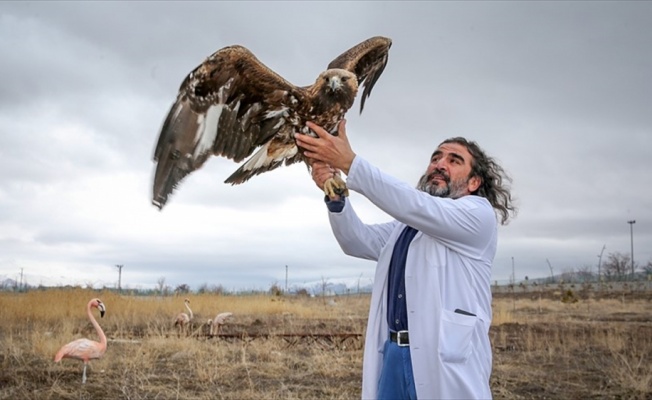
(465, 224)
(356, 238)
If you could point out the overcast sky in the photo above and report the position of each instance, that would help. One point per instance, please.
(559, 92)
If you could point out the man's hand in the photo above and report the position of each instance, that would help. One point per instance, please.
(332, 150)
(321, 172)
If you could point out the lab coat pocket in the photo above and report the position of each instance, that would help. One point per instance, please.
(455, 334)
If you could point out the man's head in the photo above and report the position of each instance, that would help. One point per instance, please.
(459, 167)
(449, 172)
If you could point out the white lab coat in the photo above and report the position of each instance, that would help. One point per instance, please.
(448, 267)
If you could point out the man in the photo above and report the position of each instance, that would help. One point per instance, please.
(428, 329)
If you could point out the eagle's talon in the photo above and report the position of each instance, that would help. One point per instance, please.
(334, 187)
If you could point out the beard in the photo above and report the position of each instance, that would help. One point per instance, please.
(453, 190)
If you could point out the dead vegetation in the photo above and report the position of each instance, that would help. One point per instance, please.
(543, 348)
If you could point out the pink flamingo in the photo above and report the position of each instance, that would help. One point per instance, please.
(183, 320)
(85, 349)
(216, 324)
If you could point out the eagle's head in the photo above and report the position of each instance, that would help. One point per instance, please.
(338, 81)
(335, 87)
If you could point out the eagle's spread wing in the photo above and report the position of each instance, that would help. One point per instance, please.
(228, 106)
(367, 61)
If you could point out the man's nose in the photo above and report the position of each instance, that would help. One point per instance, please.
(441, 166)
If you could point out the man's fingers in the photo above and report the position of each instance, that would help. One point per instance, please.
(341, 129)
(305, 140)
(321, 132)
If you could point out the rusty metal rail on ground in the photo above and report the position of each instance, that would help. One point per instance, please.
(323, 340)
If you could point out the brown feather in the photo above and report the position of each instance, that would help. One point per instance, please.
(367, 61)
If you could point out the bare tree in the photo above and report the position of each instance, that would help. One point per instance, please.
(275, 289)
(161, 284)
(203, 288)
(324, 285)
(217, 289)
(568, 274)
(182, 289)
(616, 266)
(214, 289)
(584, 273)
(647, 268)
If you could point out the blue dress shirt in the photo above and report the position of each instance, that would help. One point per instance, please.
(396, 307)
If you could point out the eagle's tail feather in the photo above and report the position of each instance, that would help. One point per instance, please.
(263, 161)
(258, 163)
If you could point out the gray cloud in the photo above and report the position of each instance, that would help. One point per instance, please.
(558, 92)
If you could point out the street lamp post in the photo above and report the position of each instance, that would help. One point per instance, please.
(119, 267)
(513, 286)
(600, 261)
(631, 233)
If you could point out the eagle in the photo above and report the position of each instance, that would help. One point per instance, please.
(232, 105)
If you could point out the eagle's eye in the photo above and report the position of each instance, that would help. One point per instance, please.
(325, 79)
(345, 78)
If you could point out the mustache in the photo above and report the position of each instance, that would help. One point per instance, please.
(438, 174)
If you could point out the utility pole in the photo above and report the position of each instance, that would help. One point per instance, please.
(119, 267)
(600, 261)
(604, 246)
(513, 273)
(286, 279)
(631, 233)
(20, 288)
(513, 286)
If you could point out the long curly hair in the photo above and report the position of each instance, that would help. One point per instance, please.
(495, 181)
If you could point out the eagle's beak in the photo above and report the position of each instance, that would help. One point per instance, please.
(335, 83)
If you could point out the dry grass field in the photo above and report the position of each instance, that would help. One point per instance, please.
(280, 348)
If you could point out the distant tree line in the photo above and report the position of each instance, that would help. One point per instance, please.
(616, 267)
(324, 288)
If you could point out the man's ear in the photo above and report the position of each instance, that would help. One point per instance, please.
(474, 183)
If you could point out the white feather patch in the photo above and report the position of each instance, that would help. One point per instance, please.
(262, 159)
(275, 113)
(221, 94)
(207, 129)
(279, 123)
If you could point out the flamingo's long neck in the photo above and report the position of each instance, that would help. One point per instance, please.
(97, 326)
(189, 310)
